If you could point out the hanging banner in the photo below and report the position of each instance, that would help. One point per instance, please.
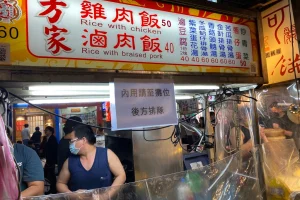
(278, 33)
(115, 35)
(142, 103)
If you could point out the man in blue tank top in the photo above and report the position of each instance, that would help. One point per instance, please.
(89, 167)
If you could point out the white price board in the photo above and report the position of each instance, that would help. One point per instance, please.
(108, 31)
(142, 103)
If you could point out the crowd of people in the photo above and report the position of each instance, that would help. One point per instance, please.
(80, 163)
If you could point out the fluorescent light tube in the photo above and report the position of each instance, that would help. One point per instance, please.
(196, 87)
(69, 87)
(66, 101)
(66, 93)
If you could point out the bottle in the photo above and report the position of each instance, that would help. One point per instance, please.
(183, 191)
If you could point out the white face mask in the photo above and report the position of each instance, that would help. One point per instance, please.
(73, 148)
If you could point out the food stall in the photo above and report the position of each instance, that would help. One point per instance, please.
(143, 39)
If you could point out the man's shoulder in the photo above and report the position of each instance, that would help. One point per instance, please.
(23, 150)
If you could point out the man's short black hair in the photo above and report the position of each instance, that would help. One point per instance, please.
(26, 125)
(37, 128)
(51, 129)
(71, 123)
(82, 131)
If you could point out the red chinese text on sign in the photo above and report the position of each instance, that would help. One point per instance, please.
(149, 20)
(123, 14)
(284, 68)
(94, 11)
(54, 42)
(151, 44)
(96, 39)
(125, 40)
(52, 7)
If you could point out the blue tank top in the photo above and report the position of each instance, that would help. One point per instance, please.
(97, 177)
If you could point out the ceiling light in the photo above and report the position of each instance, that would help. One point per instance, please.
(69, 87)
(66, 93)
(196, 87)
(66, 101)
(183, 97)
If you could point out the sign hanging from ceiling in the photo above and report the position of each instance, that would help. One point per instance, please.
(142, 103)
(279, 33)
(115, 35)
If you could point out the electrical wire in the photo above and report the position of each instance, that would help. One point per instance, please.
(155, 140)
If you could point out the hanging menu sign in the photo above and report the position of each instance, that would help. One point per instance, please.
(108, 31)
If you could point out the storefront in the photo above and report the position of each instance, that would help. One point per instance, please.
(71, 58)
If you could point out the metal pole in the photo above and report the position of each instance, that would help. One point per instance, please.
(257, 141)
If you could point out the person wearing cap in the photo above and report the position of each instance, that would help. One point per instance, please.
(63, 147)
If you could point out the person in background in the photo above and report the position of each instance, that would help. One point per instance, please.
(89, 167)
(32, 146)
(280, 120)
(42, 147)
(51, 158)
(100, 138)
(19, 142)
(36, 137)
(31, 169)
(108, 114)
(63, 147)
(25, 134)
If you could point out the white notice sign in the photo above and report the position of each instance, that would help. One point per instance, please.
(142, 103)
(103, 30)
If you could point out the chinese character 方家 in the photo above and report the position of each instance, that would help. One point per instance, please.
(211, 25)
(52, 7)
(149, 20)
(202, 38)
(125, 40)
(290, 34)
(54, 42)
(181, 21)
(94, 11)
(203, 48)
(123, 14)
(238, 55)
(278, 51)
(135, 111)
(166, 92)
(125, 93)
(133, 93)
(151, 44)
(268, 55)
(160, 110)
(142, 93)
(273, 53)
